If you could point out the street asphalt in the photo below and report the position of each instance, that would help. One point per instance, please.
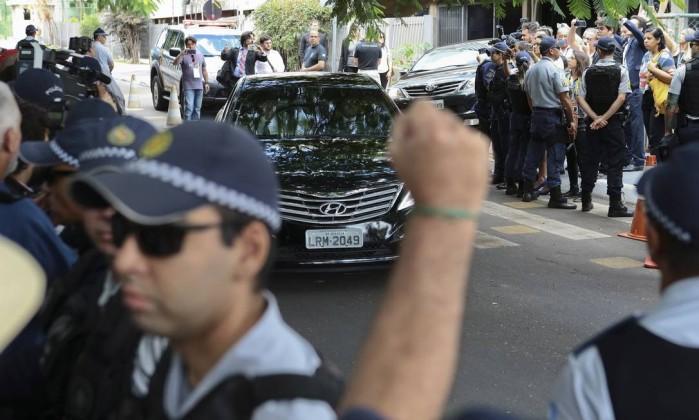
(542, 281)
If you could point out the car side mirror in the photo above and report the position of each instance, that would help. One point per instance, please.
(174, 52)
(402, 72)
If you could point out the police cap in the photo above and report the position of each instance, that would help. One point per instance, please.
(39, 87)
(606, 44)
(546, 44)
(30, 30)
(194, 164)
(672, 196)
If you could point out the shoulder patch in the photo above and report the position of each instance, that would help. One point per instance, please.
(157, 145)
(623, 324)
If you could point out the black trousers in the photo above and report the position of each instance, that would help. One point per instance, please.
(688, 131)
(500, 136)
(573, 155)
(604, 145)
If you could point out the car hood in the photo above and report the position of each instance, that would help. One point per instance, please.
(328, 165)
(436, 76)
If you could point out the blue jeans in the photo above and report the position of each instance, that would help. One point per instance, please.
(192, 103)
(634, 130)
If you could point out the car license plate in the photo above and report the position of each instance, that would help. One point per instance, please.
(438, 104)
(334, 238)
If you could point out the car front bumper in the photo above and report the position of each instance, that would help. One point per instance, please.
(461, 105)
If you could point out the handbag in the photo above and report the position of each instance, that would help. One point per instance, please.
(660, 91)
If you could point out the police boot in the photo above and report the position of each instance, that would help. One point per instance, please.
(617, 208)
(529, 193)
(586, 198)
(557, 201)
(573, 192)
(520, 188)
(511, 187)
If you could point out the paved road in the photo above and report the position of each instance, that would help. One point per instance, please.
(542, 281)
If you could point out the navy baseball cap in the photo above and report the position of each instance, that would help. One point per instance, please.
(30, 30)
(194, 164)
(606, 44)
(56, 151)
(99, 31)
(39, 87)
(500, 47)
(693, 37)
(546, 44)
(523, 57)
(671, 194)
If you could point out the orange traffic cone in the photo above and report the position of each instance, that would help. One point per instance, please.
(638, 225)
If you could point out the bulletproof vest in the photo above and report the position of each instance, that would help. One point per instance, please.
(689, 96)
(103, 374)
(647, 376)
(517, 95)
(237, 397)
(497, 90)
(602, 87)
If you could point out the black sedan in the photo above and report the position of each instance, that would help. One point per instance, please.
(341, 200)
(445, 76)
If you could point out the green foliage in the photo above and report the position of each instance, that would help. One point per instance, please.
(286, 20)
(406, 55)
(134, 7)
(88, 25)
(5, 19)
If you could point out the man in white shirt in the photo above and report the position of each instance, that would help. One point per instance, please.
(274, 63)
(102, 53)
(645, 367)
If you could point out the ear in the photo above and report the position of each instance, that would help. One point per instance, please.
(11, 141)
(254, 244)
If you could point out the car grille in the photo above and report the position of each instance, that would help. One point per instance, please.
(439, 89)
(358, 205)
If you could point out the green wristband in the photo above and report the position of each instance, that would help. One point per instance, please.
(444, 213)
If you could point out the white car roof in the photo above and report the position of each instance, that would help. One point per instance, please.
(199, 30)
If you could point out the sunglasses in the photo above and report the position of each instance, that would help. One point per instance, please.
(162, 240)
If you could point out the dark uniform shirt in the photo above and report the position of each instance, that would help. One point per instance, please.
(313, 55)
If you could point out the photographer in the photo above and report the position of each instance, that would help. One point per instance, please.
(195, 79)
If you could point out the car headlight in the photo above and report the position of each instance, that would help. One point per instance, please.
(396, 93)
(467, 87)
(407, 201)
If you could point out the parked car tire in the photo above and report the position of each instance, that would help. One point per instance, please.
(156, 90)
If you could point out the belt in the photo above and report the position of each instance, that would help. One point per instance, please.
(538, 108)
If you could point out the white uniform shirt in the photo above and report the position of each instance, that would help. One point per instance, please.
(581, 391)
(274, 64)
(104, 57)
(270, 347)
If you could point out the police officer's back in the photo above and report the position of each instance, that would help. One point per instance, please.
(645, 367)
(683, 100)
(602, 94)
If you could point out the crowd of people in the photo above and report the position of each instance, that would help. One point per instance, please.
(157, 250)
(590, 100)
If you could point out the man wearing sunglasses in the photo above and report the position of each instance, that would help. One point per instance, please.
(193, 236)
(89, 358)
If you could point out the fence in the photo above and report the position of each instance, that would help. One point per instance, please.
(676, 22)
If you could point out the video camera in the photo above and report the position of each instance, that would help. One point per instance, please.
(78, 72)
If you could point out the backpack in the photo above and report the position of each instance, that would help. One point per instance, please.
(225, 74)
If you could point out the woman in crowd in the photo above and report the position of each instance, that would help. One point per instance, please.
(577, 64)
(684, 52)
(656, 72)
(386, 62)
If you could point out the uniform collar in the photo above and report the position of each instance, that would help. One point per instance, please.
(679, 292)
(179, 398)
(607, 60)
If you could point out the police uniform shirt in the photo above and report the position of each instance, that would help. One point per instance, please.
(270, 347)
(624, 84)
(104, 57)
(581, 391)
(543, 83)
(676, 86)
(313, 55)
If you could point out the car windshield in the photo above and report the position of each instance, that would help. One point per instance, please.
(444, 58)
(302, 111)
(212, 45)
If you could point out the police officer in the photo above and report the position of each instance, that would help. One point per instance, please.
(520, 119)
(646, 366)
(683, 98)
(496, 83)
(548, 93)
(192, 267)
(482, 108)
(602, 94)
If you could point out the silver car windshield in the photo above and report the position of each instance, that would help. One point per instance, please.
(445, 58)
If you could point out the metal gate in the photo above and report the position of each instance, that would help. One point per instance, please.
(452, 25)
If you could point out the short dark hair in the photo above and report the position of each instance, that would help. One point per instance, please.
(531, 26)
(642, 22)
(264, 38)
(233, 223)
(680, 256)
(606, 22)
(190, 38)
(245, 36)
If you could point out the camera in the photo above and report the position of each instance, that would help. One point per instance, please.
(580, 24)
(80, 44)
(485, 51)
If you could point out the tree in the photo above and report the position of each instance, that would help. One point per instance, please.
(126, 19)
(285, 21)
(369, 12)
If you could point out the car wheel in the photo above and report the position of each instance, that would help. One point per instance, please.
(159, 103)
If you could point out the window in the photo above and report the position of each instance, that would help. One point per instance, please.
(171, 40)
(307, 111)
(439, 58)
(27, 14)
(161, 38)
(212, 45)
